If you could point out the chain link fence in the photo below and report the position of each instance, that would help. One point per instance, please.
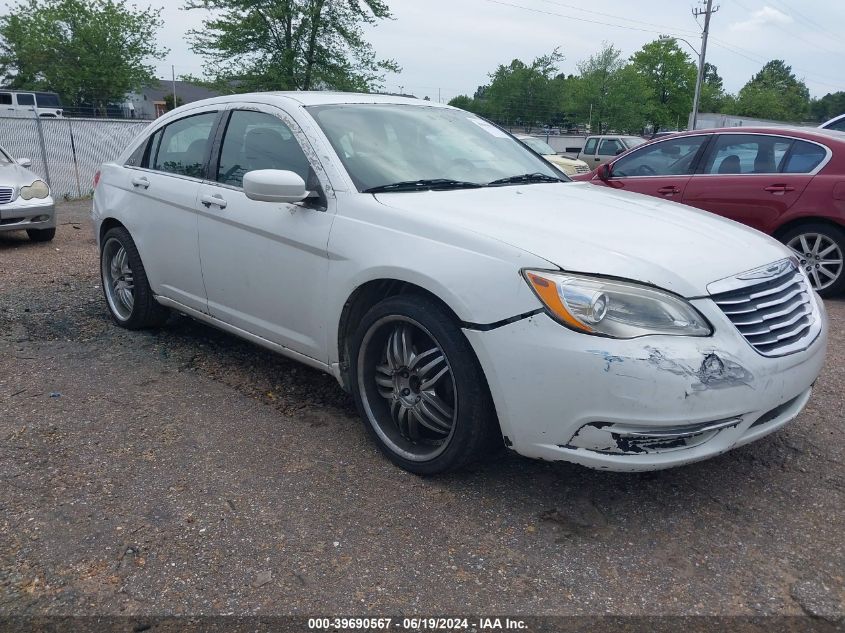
(67, 152)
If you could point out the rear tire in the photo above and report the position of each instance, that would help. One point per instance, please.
(419, 387)
(128, 294)
(820, 248)
(41, 235)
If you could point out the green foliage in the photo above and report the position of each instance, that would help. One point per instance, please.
(829, 106)
(608, 93)
(669, 75)
(89, 51)
(168, 102)
(290, 44)
(525, 93)
(774, 93)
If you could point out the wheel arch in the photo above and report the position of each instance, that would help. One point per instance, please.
(784, 228)
(364, 297)
(105, 226)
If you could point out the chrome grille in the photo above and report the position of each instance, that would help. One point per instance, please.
(582, 169)
(6, 194)
(776, 315)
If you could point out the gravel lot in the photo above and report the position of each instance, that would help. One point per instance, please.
(185, 472)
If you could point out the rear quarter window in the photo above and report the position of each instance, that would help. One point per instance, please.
(803, 158)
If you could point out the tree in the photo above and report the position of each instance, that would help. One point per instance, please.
(89, 51)
(525, 93)
(608, 93)
(774, 93)
(290, 44)
(593, 91)
(829, 106)
(168, 102)
(713, 95)
(670, 76)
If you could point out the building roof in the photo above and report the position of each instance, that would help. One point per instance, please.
(186, 91)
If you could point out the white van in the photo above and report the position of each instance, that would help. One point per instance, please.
(19, 103)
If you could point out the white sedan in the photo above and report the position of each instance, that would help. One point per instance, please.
(25, 200)
(465, 293)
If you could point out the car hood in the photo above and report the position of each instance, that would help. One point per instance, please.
(583, 228)
(15, 176)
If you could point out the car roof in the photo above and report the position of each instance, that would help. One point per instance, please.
(832, 121)
(319, 97)
(809, 133)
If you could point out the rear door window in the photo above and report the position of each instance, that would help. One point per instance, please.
(181, 147)
(747, 154)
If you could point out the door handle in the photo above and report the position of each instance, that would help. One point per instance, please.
(216, 200)
(141, 182)
(779, 189)
(669, 190)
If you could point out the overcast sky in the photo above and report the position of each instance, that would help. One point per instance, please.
(452, 45)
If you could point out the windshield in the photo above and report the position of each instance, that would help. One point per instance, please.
(384, 144)
(538, 146)
(632, 141)
(5, 159)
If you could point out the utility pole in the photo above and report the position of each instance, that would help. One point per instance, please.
(710, 10)
(173, 74)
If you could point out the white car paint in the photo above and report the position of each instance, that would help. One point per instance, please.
(280, 275)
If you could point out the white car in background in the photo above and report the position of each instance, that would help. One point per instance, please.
(25, 200)
(462, 292)
(836, 123)
(569, 166)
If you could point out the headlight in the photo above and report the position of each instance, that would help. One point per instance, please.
(618, 309)
(38, 189)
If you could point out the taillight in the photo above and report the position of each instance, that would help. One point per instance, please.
(96, 179)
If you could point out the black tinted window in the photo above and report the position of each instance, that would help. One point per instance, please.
(590, 147)
(47, 100)
(667, 158)
(26, 99)
(5, 98)
(137, 157)
(256, 140)
(804, 158)
(839, 125)
(180, 148)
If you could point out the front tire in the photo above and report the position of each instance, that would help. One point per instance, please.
(41, 235)
(125, 286)
(419, 387)
(820, 248)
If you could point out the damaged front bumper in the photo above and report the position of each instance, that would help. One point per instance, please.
(640, 404)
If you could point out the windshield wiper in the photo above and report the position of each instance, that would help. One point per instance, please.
(435, 184)
(525, 178)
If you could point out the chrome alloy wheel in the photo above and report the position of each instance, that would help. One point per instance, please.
(118, 281)
(407, 388)
(820, 257)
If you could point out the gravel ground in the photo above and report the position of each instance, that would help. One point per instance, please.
(185, 472)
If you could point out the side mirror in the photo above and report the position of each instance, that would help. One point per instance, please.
(24, 162)
(274, 185)
(603, 172)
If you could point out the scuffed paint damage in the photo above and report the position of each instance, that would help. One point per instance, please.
(714, 372)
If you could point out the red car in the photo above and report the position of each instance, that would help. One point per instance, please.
(787, 182)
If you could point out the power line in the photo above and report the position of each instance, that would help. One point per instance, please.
(810, 22)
